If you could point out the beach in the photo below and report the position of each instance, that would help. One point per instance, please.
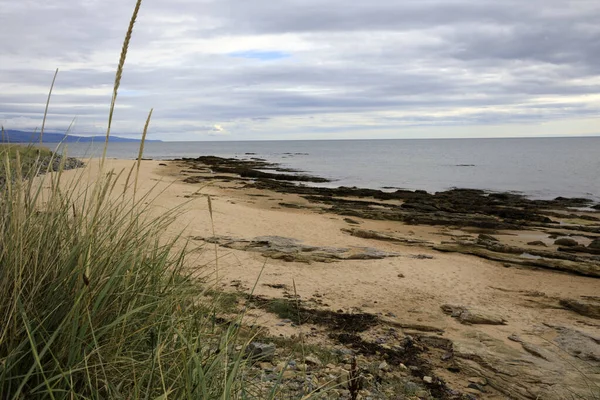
(506, 320)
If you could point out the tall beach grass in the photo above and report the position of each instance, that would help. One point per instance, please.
(95, 303)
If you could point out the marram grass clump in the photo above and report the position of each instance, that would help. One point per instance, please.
(96, 304)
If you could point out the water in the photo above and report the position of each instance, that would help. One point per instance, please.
(539, 168)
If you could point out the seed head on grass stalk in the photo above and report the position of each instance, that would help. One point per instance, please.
(118, 76)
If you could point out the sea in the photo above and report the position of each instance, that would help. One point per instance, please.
(540, 168)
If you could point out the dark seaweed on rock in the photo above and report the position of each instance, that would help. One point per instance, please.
(456, 207)
(252, 169)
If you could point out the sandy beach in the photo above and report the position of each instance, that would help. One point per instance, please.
(530, 347)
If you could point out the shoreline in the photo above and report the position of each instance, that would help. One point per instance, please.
(409, 289)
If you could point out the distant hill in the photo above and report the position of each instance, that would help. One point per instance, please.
(13, 136)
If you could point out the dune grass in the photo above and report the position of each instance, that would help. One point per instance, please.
(95, 302)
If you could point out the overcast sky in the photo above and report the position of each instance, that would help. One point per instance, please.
(305, 69)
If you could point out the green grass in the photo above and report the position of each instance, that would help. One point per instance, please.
(95, 302)
(30, 159)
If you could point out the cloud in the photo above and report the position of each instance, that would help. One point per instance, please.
(303, 68)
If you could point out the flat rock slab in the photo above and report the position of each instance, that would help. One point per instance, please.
(368, 234)
(469, 316)
(292, 250)
(589, 308)
(537, 371)
(515, 255)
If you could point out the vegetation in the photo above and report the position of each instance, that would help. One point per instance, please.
(94, 302)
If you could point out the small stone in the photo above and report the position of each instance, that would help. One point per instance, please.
(427, 379)
(266, 366)
(312, 360)
(422, 394)
(384, 366)
(261, 351)
(401, 276)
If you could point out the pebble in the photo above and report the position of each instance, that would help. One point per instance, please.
(312, 360)
(384, 366)
(427, 379)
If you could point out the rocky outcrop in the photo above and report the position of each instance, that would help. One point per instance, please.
(588, 307)
(253, 168)
(539, 370)
(470, 316)
(292, 250)
(566, 242)
(539, 258)
(368, 234)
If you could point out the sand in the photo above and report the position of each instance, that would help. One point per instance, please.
(406, 288)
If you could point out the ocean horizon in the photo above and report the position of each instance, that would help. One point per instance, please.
(541, 168)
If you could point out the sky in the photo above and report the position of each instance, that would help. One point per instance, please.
(305, 69)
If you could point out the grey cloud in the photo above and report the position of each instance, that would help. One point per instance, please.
(362, 58)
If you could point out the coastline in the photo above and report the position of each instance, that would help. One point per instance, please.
(408, 287)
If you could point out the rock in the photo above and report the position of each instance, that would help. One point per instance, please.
(537, 351)
(384, 366)
(261, 351)
(472, 316)
(476, 387)
(518, 374)
(312, 360)
(537, 243)
(588, 308)
(351, 221)
(474, 392)
(368, 234)
(486, 238)
(266, 366)
(478, 380)
(422, 394)
(578, 344)
(541, 259)
(595, 244)
(291, 250)
(428, 379)
(566, 242)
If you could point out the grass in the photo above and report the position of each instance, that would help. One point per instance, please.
(95, 303)
(30, 158)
